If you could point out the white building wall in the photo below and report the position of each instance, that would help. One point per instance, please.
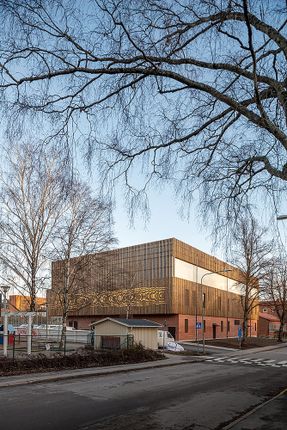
(146, 336)
(190, 272)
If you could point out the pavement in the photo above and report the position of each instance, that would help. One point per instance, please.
(245, 351)
(269, 415)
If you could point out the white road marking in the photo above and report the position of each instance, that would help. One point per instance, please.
(220, 358)
(249, 361)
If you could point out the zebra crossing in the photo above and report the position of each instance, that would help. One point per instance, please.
(237, 359)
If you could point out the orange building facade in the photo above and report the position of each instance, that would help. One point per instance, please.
(19, 303)
(168, 281)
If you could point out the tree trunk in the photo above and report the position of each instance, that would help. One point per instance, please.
(33, 291)
(280, 332)
(65, 306)
(245, 322)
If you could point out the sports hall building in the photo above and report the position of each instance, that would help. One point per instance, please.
(167, 281)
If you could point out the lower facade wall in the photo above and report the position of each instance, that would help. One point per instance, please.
(263, 327)
(215, 327)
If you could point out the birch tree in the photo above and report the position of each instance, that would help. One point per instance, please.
(85, 228)
(193, 92)
(251, 254)
(275, 291)
(30, 202)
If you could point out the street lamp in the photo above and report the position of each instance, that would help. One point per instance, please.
(5, 289)
(203, 303)
(281, 217)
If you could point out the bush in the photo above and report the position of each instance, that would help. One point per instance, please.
(81, 359)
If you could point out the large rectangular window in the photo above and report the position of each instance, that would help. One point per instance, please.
(186, 325)
(193, 273)
(204, 326)
(221, 326)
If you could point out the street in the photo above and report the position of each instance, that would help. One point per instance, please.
(205, 395)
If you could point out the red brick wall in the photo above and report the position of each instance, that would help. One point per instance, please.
(209, 322)
(263, 327)
(178, 321)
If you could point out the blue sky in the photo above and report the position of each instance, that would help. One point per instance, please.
(165, 221)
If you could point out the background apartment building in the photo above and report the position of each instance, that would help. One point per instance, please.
(165, 281)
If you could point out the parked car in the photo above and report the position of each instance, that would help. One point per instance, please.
(174, 346)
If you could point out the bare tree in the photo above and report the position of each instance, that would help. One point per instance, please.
(31, 200)
(195, 91)
(251, 254)
(84, 228)
(275, 291)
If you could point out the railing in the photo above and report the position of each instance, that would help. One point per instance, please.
(51, 341)
(42, 340)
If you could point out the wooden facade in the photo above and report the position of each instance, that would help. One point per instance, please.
(142, 280)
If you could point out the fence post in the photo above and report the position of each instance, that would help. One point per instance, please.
(29, 340)
(14, 336)
(5, 334)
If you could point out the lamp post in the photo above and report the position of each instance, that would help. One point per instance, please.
(203, 303)
(281, 217)
(5, 289)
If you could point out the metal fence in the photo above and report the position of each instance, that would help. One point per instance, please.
(52, 341)
(111, 342)
(44, 341)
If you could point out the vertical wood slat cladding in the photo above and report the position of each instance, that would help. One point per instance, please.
(187, 253)
(145, 266)
(216, 300)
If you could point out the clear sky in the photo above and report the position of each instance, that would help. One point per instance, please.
(165, 222)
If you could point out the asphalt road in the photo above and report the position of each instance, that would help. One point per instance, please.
(204, 395)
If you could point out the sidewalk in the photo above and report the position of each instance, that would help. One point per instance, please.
(199, 346)
(268, 415)
(261, 349)
(60, 375)
(243, 351)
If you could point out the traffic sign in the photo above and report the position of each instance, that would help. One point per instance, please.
(198, 325)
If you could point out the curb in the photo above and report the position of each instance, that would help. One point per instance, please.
(248, 350)
(252, 411)
(47, 379)
(208, 346)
